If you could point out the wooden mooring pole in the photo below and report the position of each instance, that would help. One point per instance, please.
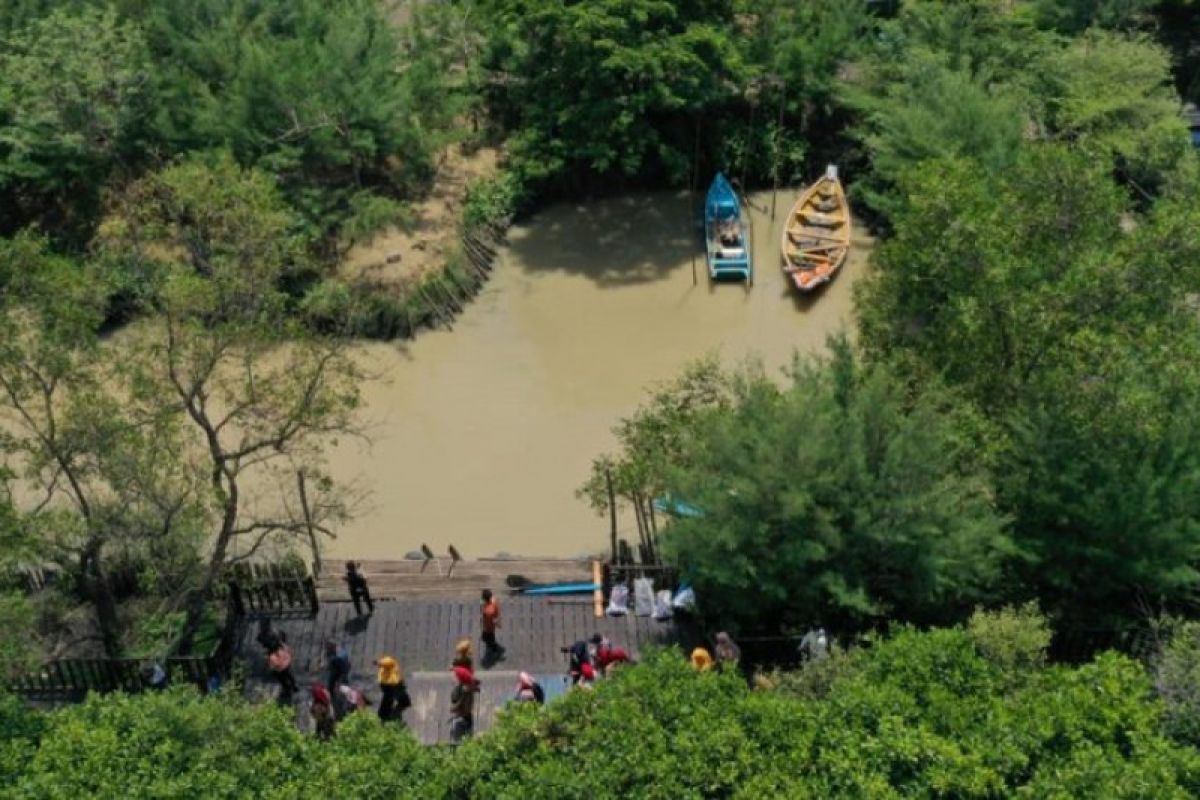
(612, 512)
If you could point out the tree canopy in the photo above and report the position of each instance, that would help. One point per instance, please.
(965, 712)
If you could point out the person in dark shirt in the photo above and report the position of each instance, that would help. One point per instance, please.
(359, 593)
(339, 665)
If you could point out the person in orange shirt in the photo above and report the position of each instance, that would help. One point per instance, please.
(489, 621)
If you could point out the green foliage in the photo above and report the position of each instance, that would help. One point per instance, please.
(936, 111)
(1177, 679)
(18, 647)
(606, 87)
(1112, 95)
(154, 634)
(918, 715)
(973, 78)
(224, 223)
(20, 731)
(75, 106)
(656, 438)
(307, 91)
(841, 497)
(493, 201)
(1076, 16)
(1076, 338)
(1013, 639)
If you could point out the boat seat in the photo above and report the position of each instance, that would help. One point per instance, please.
(827, 204)
(799, 237)
(731, 252)
(821, 220)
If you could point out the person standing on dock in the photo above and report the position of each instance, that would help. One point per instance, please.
(280, 663)
(529, 690)
(339, 665)
(322, 712)
(702, 660)
(727, 652)
(463, 657)
(489, 621)
(462, 704)
(578, 654)
(395, 697)
(359, 593)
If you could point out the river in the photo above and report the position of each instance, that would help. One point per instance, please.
(481, 435)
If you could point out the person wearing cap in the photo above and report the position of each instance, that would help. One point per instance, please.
(701, 660)
(322, 712)
(394, 697)
(462, 704)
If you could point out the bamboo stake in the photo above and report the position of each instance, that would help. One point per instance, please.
(612, 512)
(692, 197)
(775, 158)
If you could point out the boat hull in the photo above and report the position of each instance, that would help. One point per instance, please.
(816, 236)
(561, 588)
(726, 233)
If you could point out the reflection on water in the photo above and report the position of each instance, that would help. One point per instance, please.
(482, 434)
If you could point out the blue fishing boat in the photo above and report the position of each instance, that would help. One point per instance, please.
(726, 233)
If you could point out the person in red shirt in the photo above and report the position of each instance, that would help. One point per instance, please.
(608, 657)
(489, 621)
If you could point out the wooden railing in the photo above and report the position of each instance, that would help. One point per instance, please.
(256, 592)
(275, 597)
(73, 678)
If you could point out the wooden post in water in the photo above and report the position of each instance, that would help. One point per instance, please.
(653, 528)
(643, 532)
(692, 196)
(612, 511)
(775, 157)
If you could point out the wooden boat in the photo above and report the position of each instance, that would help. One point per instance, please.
(726, 233)
(816, 237)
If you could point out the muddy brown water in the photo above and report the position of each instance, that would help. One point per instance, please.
(481, 435)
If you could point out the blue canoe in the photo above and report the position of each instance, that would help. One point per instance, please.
(560, 588)
(726, 233)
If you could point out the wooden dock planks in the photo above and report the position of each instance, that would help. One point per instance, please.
(421, 634)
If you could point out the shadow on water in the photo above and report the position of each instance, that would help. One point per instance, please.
(617, 241)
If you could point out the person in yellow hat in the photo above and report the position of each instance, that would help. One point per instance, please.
(391, 686)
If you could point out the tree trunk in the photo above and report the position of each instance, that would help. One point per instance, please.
(96, 587)
(197, 599)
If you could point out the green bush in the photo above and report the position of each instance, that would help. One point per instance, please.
(1177, 678)
(1014, 639)
(917, 715)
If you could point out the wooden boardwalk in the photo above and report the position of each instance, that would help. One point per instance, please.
(421, 634)
(401, 579)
